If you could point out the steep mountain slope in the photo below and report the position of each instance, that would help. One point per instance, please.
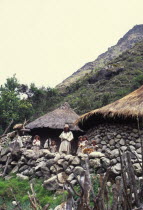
(129, 39)
(119, 77)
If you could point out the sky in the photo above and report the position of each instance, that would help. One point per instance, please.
(45, 41)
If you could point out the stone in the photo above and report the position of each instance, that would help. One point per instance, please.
(114, 153)
(40, 165)
(139, 151)
(105, 162)
(96, 155)
(118, 136)
(3, 159)
(112, 142)
(137, 168)
(132, 143)
(51, 183)
(103, 142)
(135, 130)
(78, 170)
(4, 151)
(62, 177)
(26, 172)
(138, 145)
(50, 155)
(94, 163)
(38, 173)
(57, 157)
(113, 161)
(132, 148)
(23, 168)
(15, 170)
(123, 148)
(116, 169)
(20, 176)
(60, 162)
(50, 162)
(76, 161)
(30, 154)
(122, 142)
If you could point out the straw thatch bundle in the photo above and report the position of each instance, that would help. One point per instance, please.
(56, 119)
(130, 106)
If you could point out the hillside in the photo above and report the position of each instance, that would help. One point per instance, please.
(107, 84)
(129, 39)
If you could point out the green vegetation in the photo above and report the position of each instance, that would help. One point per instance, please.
(98, 88)
(20, 189)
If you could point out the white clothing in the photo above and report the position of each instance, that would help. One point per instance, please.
(66, 138)
(36, 143)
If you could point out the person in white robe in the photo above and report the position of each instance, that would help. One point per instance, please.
(66, 138)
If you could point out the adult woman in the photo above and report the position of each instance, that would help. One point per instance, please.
(66, 138)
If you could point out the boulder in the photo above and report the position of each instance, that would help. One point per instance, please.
(137, 168)
(105, 162)
(78, 170)
(51, 184)
(75, 161)
(30, 154)
(122, 142)
(116, 169)
(114, 153)
(20, 176)
(96, 155)
(95, 163)
(40, 165)
(14, 170)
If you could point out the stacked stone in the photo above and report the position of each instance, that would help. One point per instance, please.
(110, 138)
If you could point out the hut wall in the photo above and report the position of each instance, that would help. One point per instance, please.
(110, 137)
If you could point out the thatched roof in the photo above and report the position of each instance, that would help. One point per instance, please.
(130, 106)
(56, 119)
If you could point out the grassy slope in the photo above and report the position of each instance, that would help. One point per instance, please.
(21, 187)
(85, 95)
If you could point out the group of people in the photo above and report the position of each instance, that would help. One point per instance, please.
(65, 147)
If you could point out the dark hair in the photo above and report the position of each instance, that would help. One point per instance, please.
(67, 130)
(37, 137)
(80, 137)
(85, 137)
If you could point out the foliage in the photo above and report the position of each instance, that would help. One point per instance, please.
(20, 189)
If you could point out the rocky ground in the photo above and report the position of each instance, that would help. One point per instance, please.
(55, 169)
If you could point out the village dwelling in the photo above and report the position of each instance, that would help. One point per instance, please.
(117, 125)
(51, 125)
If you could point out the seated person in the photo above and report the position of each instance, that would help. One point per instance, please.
(53, 147)
(82, 144)
(94, 145)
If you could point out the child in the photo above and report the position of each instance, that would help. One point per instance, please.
(79, 150)
(36, 144)
(85, 141)
(93, 145)
(53, 147)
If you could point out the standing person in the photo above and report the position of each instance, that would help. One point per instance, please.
(79, 150)
(36, 144)
(66, 138)
(47, 144)
(53, 147)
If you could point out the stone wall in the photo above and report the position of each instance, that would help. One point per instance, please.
(111, 137)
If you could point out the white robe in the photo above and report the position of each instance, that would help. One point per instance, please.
(66, 138)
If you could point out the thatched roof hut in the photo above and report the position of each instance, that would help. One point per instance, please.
(129, 107)
(56, 119)
(51, 124)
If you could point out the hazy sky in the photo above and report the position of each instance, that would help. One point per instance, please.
(45, 41)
